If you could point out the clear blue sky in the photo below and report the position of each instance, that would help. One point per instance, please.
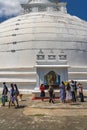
(75, 7)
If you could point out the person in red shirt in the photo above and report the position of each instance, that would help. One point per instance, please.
(42, 94)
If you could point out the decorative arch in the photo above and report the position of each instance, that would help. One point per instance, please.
(52, 78)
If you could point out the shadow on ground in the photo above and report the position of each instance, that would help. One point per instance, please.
(38, 115)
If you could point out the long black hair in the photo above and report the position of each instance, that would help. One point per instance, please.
(15, 85)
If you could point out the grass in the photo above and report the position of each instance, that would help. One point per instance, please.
(38, 115)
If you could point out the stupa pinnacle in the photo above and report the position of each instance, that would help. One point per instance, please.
(44, 5)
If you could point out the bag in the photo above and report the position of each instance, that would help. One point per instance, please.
(17, 92)
(6, 98)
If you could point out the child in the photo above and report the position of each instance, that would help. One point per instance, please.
(42, 94)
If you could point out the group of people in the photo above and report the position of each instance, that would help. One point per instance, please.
(51, 93)
(68, 92)
(10, 95)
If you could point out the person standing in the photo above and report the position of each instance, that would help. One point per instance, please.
(51, 94)
(68, 93)
(11, 95)
(72, 86)
(62, 92)
(4, 94)
(80, 89)
(16, 93)
(42, 94)
(75, 83)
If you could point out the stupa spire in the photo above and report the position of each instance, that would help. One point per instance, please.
(43, 1)
(44, 5)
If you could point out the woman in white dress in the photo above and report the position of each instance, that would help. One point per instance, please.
(68, 93)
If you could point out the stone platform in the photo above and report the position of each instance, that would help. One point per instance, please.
(36, 94)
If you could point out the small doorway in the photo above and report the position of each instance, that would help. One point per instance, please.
(53, 79)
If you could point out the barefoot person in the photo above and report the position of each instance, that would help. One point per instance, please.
(16, 93)
(62, 92)
(68, 93)
(80, 89)
(11, 96)
(51, 94)
(4, 94)
(42, 94)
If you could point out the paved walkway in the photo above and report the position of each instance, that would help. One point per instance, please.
(38, 115)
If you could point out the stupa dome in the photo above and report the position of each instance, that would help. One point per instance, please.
(50, 31)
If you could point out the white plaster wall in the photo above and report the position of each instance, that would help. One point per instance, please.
(47, 31)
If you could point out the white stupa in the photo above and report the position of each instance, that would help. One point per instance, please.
(43, 45)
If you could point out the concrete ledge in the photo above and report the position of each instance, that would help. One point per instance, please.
(36, 94)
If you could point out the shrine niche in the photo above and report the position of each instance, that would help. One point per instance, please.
(51, 78)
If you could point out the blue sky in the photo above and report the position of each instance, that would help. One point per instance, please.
(10, 8)
(77, 8)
